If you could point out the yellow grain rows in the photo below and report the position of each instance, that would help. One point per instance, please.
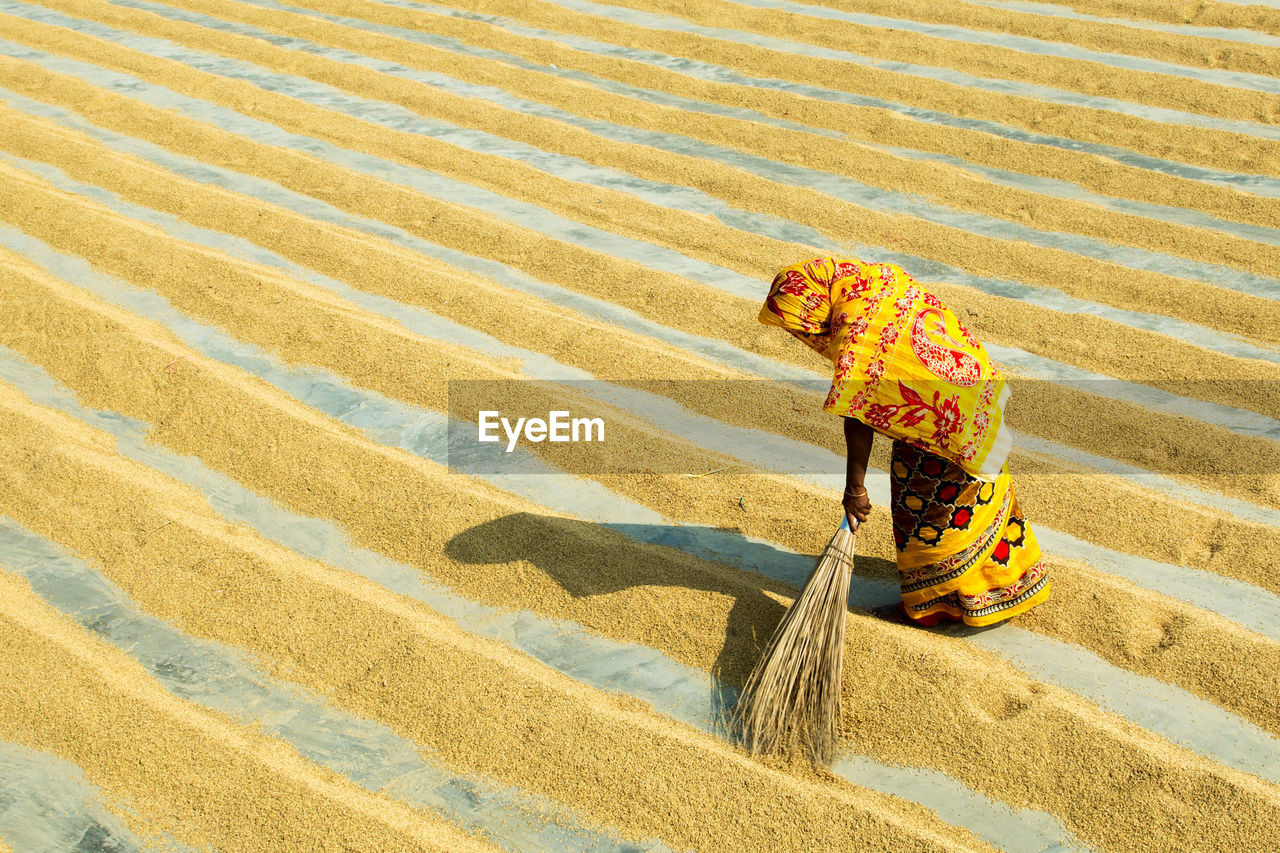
(203, 200)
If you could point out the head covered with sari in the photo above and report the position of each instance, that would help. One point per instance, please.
(904, 363)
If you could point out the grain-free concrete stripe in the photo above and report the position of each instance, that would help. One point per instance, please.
(1047, 186)
(1155, 705)
(1247, 605)
(1075, 192)
(1034, 366)
(944, 75)
(1056, 11)
(1055, 4)
(1259, 184)
(1148, 479)
(224, 679)
(573, 168)
(47, 805)
(684, 693)
(656, 257)
(1027, 44)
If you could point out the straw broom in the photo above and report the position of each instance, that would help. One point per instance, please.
(792, 698)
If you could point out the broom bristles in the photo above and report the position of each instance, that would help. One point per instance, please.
(792, 698)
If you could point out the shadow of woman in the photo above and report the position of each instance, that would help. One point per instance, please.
(590, 559)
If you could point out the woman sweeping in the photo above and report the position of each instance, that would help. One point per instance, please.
(907, 368)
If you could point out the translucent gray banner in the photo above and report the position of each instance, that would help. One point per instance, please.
(593, 427)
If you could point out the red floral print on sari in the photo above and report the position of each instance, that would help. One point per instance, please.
(947, 417)
(946, 362)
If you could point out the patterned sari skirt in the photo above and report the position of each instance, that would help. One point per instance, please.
(964, 549)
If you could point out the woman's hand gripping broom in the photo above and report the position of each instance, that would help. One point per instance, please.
(792, 698)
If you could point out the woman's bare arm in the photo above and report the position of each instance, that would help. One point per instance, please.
(857, 438)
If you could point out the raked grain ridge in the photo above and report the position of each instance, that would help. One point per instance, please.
(245, 244)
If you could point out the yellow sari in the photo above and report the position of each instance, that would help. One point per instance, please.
(907, 367)
(903, 362)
